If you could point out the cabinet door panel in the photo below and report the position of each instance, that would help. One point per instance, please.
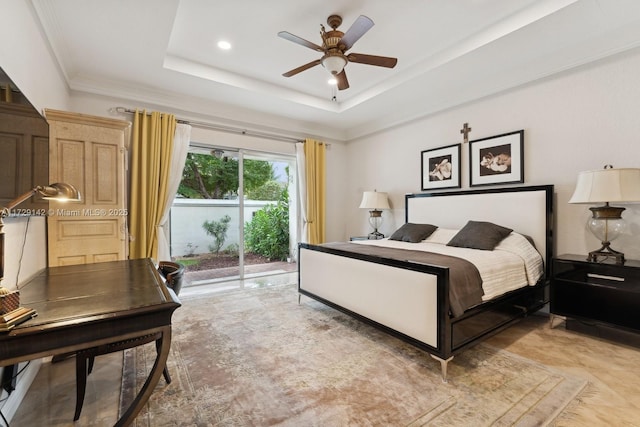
(24, 150)
(89, 153)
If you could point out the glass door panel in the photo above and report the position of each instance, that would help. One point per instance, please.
(205, 216)
(269, 214)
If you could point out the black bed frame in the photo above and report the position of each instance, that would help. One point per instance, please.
(476, 324)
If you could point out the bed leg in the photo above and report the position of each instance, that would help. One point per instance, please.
(443, 366)
(299, 297)
(552, 317)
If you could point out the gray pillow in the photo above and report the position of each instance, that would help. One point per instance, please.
(413, 233)
(479, 235)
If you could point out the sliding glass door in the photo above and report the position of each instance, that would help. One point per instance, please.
(233, 215)
(269, 214)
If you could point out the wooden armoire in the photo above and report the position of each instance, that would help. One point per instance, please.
(90, 153)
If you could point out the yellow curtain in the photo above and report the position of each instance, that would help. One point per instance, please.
(314, 153)
(151, 150)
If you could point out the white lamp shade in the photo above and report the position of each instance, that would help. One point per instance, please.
(374, 200)
(334, 63)
(607, 185)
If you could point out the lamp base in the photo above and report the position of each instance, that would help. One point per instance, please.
(607, 253)
(375, 219)
(375, 235)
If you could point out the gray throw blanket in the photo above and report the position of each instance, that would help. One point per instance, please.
(465, 283)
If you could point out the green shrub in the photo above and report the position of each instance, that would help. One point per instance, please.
(218, 230)
(268, 232)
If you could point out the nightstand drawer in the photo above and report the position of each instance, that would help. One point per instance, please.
(607, 275)
(601, 303)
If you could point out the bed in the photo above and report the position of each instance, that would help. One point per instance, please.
(415, 299)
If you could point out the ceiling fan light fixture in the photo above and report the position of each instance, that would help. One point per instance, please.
(334, 45)
(334, 63)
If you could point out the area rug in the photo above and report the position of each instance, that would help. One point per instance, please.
(255, 357)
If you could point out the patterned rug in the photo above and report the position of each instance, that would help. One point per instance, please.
(255, 357)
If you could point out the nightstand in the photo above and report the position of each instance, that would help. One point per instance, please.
(602, 293)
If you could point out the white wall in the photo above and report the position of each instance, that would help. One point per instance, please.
(26, 58)
(26, 248)
(579, 120)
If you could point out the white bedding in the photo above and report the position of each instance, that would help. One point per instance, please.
(514, 263)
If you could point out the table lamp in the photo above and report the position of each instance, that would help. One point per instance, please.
(11, 313)
(375, 201)
(606, 223)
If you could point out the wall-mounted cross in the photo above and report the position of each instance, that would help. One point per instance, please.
(465, 131)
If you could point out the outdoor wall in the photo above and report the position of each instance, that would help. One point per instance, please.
(188, 215)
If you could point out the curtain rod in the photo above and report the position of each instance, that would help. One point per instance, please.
(228, 129)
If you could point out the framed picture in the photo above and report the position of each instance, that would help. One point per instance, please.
(497, 159)
(441, 168)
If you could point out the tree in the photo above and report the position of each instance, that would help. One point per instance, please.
(217, 230)
(256, 173)
(270, 190)
(210, 177)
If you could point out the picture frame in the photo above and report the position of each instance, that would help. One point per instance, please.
(497, 159)
(440, 167)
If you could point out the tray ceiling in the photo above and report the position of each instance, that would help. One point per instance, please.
(449, 53)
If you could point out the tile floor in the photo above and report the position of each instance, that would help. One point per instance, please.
(51, 399)
(612, 397)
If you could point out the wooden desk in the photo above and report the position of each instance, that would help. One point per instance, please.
(82, 306)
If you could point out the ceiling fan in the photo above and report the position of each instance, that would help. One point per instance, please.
(334, 45)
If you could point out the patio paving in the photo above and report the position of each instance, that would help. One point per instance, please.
(193, 278)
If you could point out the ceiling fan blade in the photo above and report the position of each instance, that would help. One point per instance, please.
(301, 68)
(357, 30)
(343, 83)
(299, 40)
(380, 61)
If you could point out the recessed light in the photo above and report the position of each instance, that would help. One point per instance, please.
(224, 45)
(332, 81)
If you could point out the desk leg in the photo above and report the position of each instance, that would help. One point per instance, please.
(152, 380)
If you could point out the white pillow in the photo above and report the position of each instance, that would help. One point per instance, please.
(441, 236)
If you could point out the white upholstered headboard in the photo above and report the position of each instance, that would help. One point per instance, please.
(527, 210)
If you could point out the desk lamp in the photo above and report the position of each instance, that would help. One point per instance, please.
(11, 313)
(606, 223)
(375, 201)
